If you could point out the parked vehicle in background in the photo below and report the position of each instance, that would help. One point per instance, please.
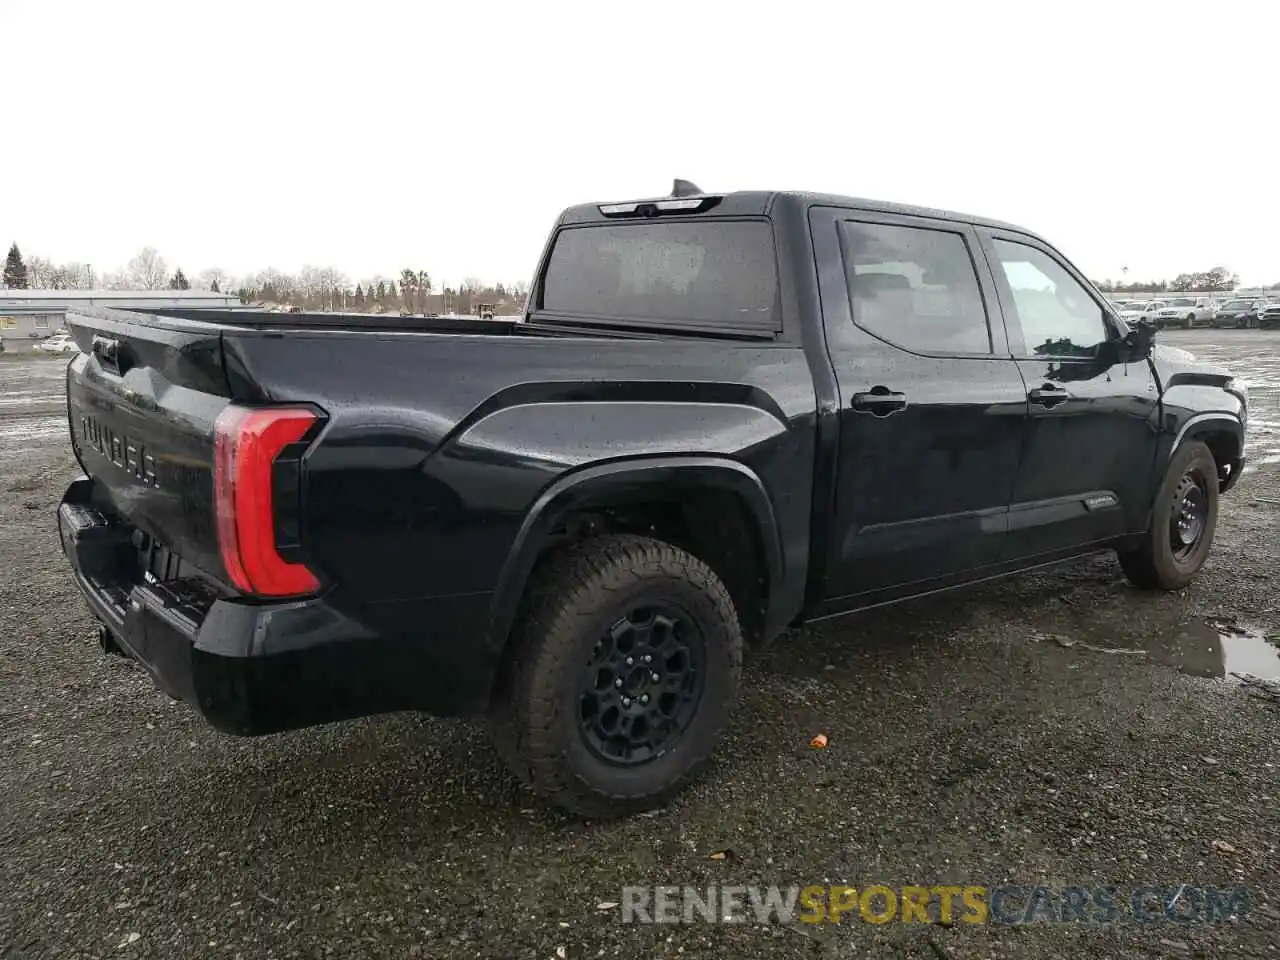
(60, 342)
(1269, 315)
(1138, 311)
(722, 415)
(1241, 312)
(1185, 312)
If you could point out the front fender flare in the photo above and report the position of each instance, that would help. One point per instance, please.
(605, 483)
(1202, 423)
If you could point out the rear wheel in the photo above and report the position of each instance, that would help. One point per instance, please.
(1183, 521)
(1191, 321)
(622, 674)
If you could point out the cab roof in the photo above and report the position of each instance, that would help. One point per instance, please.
(745, 203)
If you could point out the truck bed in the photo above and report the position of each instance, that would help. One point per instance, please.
(434, 441)
(249, 319)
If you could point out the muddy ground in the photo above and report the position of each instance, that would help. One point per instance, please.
(984, 737)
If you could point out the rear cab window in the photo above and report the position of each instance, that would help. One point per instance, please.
(703, 276)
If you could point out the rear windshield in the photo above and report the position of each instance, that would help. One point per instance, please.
(715, 275)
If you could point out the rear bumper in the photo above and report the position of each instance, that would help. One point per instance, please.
(254, 668)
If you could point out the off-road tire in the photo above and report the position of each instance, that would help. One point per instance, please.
(1152, 565)
(572, 599)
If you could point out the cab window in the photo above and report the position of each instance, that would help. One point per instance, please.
(1058, 316)
(915, 287)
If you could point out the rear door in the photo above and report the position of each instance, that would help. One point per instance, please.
(1088, 469)
(932, 408)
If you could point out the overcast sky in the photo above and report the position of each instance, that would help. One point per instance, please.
(446, 136)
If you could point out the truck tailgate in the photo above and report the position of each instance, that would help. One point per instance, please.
(142, 400)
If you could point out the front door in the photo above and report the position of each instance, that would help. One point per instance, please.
(1089, 467)
(933, 409)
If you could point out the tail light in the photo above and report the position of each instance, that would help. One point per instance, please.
(247, 443)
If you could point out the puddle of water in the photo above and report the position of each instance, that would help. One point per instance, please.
(1200, 648)
(1203, 648)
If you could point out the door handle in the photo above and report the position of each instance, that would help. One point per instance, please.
(1048, 395)
(879, 401)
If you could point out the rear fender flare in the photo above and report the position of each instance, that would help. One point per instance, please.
(601, 484)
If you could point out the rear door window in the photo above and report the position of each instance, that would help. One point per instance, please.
(915, 287)
(713, 275)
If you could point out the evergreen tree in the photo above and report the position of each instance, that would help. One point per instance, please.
(214, 285)
(15, 271)
(382, 292)
(357, 299)
(179, 281)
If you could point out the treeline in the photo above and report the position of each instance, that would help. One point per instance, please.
(413, 291)
(1215, 280)
(410, 291)
(311, 288)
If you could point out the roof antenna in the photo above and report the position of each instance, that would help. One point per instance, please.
(685, 188)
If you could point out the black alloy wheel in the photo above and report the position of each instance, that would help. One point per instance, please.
(620, 677)
(642, 685)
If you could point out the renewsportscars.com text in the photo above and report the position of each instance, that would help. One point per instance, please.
(971, 904)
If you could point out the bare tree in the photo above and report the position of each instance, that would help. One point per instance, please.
(335, 285)
(408, 288)
(40, 273)
(79, 276)
(147, 270)
(309, 285)
(323, 286)
(273, 285)
(424, 290)
(44, 274)
(215, 278)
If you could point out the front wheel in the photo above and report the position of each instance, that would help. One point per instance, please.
(1191, 321)
(623, 670)
(1183, 520)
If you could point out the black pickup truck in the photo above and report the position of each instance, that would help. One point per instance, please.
(720, 416)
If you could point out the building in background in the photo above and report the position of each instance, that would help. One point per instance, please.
(28, 316)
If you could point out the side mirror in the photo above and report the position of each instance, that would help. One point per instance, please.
(1139, 340)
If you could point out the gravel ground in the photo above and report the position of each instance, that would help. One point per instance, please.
(982, 737)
